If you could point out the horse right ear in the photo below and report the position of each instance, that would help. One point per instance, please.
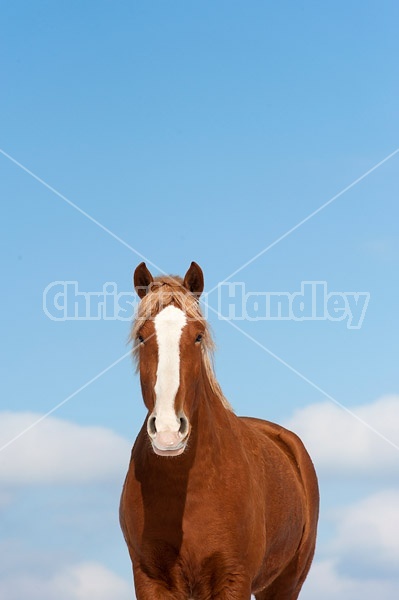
(142, 280)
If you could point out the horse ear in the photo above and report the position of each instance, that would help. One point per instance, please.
(194, 279)
(142, 280)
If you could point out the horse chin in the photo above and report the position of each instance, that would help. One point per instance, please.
(171, 452)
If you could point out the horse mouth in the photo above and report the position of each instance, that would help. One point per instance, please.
(169, 452)
(169, 449)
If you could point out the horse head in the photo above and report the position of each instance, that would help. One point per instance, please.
(171, 340)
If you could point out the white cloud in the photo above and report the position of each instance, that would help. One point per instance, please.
(59, 451)
(324, 581)
(367, 539)
(361, 562)
(82, 581)
(341, 444)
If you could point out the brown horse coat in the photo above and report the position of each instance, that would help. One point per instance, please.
(234, 512)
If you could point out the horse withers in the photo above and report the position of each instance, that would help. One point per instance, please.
(214, 506)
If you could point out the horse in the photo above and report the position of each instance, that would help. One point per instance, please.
(214, 506)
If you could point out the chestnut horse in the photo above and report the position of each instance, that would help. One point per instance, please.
(214, 506)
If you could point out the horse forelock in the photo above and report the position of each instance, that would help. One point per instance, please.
(166, 291)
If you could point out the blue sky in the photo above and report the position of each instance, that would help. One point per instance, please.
(196, 131)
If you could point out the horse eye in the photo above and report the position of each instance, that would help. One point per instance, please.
(199, 338)
(140, 339)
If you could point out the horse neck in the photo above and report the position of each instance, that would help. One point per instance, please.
(211, 416)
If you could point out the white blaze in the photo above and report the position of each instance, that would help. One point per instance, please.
(169, 324)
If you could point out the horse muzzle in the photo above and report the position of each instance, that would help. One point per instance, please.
(167, 442)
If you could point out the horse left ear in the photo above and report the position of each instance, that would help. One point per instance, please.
(194, 280)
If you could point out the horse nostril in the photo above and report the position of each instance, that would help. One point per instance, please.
(152, 429)
(183, 429)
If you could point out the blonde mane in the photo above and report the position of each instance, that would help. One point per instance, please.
(170, 290)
